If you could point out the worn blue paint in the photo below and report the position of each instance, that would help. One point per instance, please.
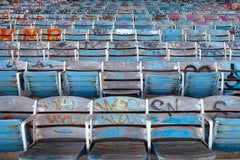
(172, 133)
(84, 84)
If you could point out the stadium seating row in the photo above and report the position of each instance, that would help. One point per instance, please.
(119, 50)
(97, 79)
(168, 34)
(67, 127)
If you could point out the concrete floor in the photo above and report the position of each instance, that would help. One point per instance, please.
(220, 156)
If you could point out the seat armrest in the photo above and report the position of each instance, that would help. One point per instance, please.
(24, 131)
(204, 117)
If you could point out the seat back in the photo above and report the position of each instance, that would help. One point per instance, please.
(8, 50)
(13, 110)
(81, 78)
(224, 111)
(122, 51)
(175, 117)
(182, 50)
(92, 50)
(62, 50)
(10, 71)
(230, 78)
(61, 118)
(212, 50)
(43, 78)
(161, 77)
(152, 51)
(121, 78)
(118, 118)
(32, 50)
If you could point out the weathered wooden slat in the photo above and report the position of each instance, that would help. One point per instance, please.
(174, 103)
(121, 75)
(176, 132)
(119, 132)
(182, 150)
(63, 103)
(119, 150)
(60, 132)
(61, 119)
(55, 151)
(121, 103)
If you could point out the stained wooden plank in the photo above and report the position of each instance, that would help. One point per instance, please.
(64, 103)
(118, 150)
(54, 150)
(182, 149)
(121, 103)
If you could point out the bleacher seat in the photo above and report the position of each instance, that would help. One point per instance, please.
(59, 124)
(117, 129)
(176, 131)
(13, 111)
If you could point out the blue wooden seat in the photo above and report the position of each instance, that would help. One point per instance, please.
(182, 50)
(118, 129)
(212, 50)
(218, 35)
(148, 35)
(172, 35)
(195, 35)
(201, 78)
(122, 51)
(123, 34)
(8, 50)
(10, 73)
(81, 78)
(176, 131)
(121, 78)
(234, 50)
(100, 34)
(161, 77)
(75, 34)
(223, 111)
(230, 77)
(32, 50)
(92, 50)
(152, 51)
(62, 50)
(60, 129)
(13, 111)
(43, 78)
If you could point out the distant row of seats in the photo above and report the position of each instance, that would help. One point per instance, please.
(68, 127)
(57, 34)
(97, 79)
(118, 24)
(119, 50)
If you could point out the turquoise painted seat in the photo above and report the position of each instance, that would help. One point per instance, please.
(92, 51)
(81, 78)
(182, 51)
(43, 78)
(59, 124)
(148, 35)
(230, 79)
(223, 111)
(122, 51)
(215, 50)
(75, 34)
(172, 35)
(10, 73)
(8, 50)
(161, 78)
(152, 51)
(195, 35)
(176, 131)
(13, 111)
(32, 50)
(118, 129)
